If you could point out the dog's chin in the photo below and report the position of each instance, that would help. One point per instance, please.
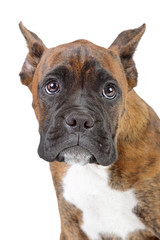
(76, 155)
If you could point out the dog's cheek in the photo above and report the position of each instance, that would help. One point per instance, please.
(113, 120)
(44, 115)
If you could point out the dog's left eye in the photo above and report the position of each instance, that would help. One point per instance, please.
(52, 87)
(109, 91)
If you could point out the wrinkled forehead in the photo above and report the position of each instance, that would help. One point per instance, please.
(79, 57)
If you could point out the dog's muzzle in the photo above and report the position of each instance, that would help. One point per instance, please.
(79, 138)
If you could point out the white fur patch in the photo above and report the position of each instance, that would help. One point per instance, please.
(105, 210)
(76, 155)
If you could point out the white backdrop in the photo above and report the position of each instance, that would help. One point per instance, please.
(28, 206)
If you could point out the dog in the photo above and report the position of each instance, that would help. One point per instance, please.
(101, 139)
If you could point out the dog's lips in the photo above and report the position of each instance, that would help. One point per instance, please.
(76, 155)
(85, 148)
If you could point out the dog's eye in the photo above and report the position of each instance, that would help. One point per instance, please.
(52, 87)
(109, 91)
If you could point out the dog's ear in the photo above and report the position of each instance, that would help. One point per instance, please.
(126, 44)
(36, 48)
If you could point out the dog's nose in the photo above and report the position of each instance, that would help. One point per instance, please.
(79, 121)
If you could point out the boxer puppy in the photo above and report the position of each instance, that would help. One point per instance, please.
(101, 139)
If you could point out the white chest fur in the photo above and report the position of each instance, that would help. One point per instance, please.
(105, 211)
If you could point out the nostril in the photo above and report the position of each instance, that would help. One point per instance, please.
(72, 122)
(88, 124)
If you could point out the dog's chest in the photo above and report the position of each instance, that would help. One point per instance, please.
(105, 211)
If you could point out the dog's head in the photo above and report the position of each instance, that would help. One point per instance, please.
(79, 93)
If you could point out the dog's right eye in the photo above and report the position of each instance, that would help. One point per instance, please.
(52, 87)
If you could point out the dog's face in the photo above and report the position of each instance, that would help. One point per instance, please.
(80, 101)
(79, 94)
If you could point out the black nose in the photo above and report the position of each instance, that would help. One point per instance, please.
(79, 121)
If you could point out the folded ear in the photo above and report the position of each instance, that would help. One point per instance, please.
(36, 48)
(126, 44)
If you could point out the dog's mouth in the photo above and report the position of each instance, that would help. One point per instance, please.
(78, 149)
(76, 155)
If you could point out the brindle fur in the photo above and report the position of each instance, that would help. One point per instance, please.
(135, 125)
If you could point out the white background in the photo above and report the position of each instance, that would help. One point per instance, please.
(28, 206)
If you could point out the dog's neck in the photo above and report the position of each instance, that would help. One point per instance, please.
(136, 131)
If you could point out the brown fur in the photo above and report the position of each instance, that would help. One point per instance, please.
(138, 136)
